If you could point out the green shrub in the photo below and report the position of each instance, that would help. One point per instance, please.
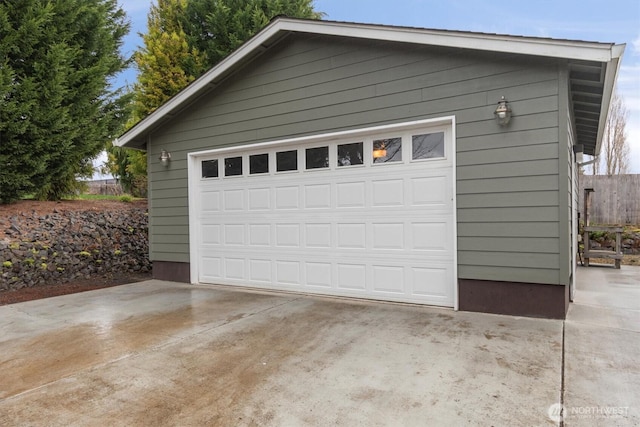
(598, 235)
(125, 198)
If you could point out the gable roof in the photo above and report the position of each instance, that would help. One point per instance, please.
(593, 68)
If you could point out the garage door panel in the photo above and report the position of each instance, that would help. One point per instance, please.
(351, 235)
(388, 192)
(431, 281)
(210, 201)
(429, 191)
(388, 235)
(234, 234)
(259, 234)
(352, 276)
(319, 274)
(211, 234)
(388, 279)
(234, 268)
(430, 236)
(287, 235)
(259, 199)
(317, 196)
(288, 272)
(318, 235)
(287, 197)
(211, 267)
(234, 200)
(381, 231)
(351, 194)
(260, 270)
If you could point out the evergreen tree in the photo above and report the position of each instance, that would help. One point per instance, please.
(166, 65)
(218, 27)
(166, 62)
(56, 111)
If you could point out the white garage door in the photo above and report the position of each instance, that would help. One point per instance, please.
(365, 214)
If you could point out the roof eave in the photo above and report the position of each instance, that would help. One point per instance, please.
(589, 51)
(611, 75)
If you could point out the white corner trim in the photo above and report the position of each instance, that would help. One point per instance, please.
(194, 207)
(454, 155)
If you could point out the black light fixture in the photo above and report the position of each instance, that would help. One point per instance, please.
(503, 112)
(165, 157)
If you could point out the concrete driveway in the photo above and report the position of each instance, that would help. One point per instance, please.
(162, 353)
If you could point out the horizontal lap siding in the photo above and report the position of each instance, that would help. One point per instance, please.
(508, 203)
(507, 178)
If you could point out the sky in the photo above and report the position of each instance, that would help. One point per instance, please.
(612, 21)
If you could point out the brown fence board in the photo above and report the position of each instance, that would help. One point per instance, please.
(616, 199)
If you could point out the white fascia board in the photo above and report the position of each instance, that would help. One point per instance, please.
(568, 49)
(611, 76)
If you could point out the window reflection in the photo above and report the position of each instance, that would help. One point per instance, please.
(427, 146)
(233, 166)
(387, 150)
(210, 168)
(259, 163)
(287, 161)
(317, 158)
(350, 154)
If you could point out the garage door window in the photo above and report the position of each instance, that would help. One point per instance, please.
(427, 146)
(259, 163)
(210, 168)
(350, 154)
(317, 158)
(387, 150)
(233, 166)
(287, 161)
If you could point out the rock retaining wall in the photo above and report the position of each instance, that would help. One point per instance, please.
(61, 246)
(607, 241)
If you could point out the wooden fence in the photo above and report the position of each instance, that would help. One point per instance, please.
(615, 200)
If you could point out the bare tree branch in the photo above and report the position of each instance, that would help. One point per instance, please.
(614, 156)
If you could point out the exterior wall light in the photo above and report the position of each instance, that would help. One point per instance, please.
(503, 112)
(165, 157)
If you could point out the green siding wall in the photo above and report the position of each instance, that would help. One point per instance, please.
(507, 178)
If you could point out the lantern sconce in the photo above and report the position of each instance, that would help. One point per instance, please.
(503, 112)
(165, 158)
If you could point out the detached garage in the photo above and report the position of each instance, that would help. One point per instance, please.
(389, 163)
